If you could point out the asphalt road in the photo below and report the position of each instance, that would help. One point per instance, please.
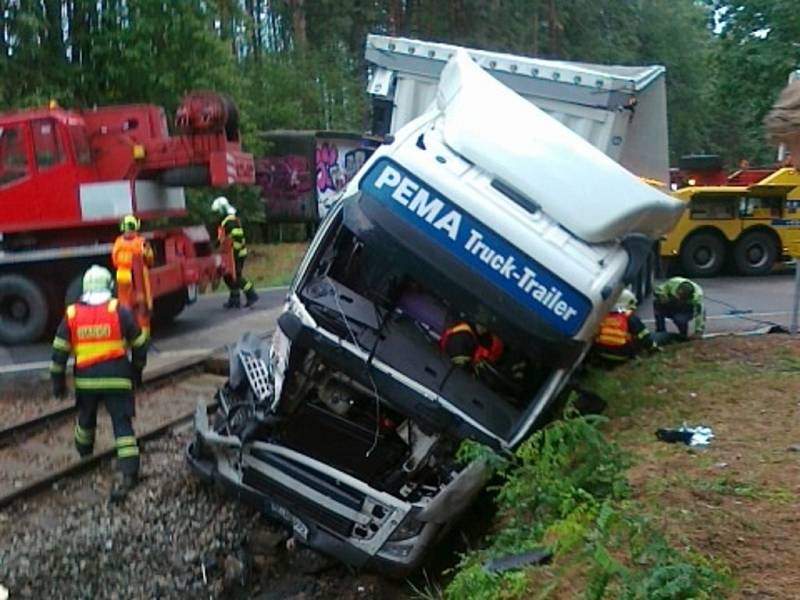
(196, 328)
(736, 304)
(732, 304)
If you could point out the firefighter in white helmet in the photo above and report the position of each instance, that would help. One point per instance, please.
(110, 351)
(622, 335)
(231, 228)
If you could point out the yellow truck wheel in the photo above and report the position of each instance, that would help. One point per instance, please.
(755, 253)
(702, 255)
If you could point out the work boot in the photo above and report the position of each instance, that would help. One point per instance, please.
(233, 302)
(123, 484)
(252, 298)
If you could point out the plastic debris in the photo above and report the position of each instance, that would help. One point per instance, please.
(3, 593)
(517, 561)
(699, 436)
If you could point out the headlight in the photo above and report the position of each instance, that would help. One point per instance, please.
(408, 528)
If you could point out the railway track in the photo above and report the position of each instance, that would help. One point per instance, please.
(38, 453)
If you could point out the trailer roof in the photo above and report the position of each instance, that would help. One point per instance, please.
(416, 56)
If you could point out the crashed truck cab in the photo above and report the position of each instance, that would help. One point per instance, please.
(485, 210)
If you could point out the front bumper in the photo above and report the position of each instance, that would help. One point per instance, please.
(326, 509)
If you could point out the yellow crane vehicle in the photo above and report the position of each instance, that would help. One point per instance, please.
(749, 221)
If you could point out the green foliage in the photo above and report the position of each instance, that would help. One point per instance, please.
(568, 492)
(757, 50)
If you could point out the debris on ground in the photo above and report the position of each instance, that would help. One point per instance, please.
(539, 556)
(173, 538)
(700, 436)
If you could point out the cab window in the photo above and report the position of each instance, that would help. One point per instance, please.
(46, 144)
(753, 206)
(713, 206)
(13, 157)
(83, 153)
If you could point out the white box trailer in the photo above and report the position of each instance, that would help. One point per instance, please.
(622, 110)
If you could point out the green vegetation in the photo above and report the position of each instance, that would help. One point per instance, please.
(628, 517)
(273, 264)
(299, 64)
(568, 492)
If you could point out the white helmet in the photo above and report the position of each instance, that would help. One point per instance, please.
(97, 279)
(626, 300)
(222, 206)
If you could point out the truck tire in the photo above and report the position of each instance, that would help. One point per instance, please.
(166, 308)
(755, 253)
(23, 310)
(702, 255)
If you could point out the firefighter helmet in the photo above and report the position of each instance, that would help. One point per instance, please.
(129, 223)
(222, 206)
(97, 279)
(626, 300)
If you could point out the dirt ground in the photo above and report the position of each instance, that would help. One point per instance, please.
(735, 502)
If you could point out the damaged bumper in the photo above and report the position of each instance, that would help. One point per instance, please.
(326, 508)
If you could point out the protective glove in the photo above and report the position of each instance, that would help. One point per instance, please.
(59, 387)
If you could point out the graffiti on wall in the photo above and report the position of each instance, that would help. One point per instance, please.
(287, 187)
(305, 175)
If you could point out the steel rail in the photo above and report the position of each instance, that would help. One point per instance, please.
(210, 363)
(10, 434)
(76, 468)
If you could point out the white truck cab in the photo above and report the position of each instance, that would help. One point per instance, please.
(485, 212)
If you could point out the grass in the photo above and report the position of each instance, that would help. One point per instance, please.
(668, 521)
(273, 264)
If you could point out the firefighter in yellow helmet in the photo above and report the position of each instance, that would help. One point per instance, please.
(622, 335)
(132, 256)
(110, 353)
(230, 227)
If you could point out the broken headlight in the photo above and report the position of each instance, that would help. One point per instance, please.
(408, 528)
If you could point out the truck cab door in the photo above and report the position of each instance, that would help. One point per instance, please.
(18, 202)
(56, 184)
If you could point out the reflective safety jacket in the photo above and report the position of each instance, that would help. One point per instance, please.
(231, 227)
(622, 335)
(126, 247)
(100, 338)
(666, 294)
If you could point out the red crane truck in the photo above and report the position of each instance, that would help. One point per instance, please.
(66, 179)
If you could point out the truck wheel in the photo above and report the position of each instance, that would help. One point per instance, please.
(702, 255)
(23, 310)
(754, 253)
(166, 308)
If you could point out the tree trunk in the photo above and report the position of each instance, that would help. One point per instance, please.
(297, 8)
(396, 17)
(55, 30)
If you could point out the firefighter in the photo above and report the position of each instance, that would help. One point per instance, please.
(622, 335)
(680, 300)
(468, 346)
(132, 256)
(783, 123)
(231, 228)
(110, 353)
